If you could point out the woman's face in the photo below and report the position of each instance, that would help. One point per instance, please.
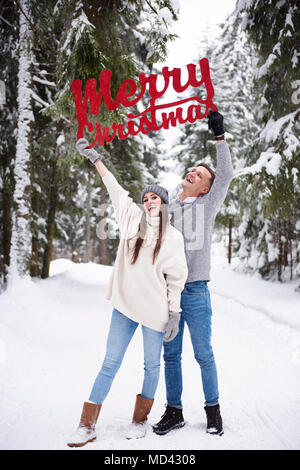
(152, 203)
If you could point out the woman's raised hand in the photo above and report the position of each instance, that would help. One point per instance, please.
(91, 154)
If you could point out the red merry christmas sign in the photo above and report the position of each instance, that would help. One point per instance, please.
(130, 94)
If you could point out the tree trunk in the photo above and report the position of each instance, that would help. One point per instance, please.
(88, 221)
(291, 260)
(34, 266)
(35, 207)
(51, 219)
(6, 226)
(21, 243)
(103, 255)
(286, 247)
(93, 248)
(230, 240)
(280, 255)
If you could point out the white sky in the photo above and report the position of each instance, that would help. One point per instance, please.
(196, 18)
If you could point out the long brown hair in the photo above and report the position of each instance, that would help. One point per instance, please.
(163, 220)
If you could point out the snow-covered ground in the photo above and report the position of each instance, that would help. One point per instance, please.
(52, 342)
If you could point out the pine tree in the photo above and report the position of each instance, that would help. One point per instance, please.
(121, 38)
(270, 223)
(72, 39)
(8, 120)
(20, 252)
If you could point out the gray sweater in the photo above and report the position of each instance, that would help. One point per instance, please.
(196, 220)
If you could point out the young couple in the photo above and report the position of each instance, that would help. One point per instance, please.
(159, 281)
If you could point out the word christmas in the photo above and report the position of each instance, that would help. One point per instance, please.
(128, 95)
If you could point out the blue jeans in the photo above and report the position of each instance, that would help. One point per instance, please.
(120, 334)
(196, 312)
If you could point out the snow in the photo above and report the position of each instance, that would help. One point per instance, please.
(43, 82)
(39, 100)
(175, 4)
(60, 140)
(273, 162)
(79, 25)
(292, 143)
(52, 343)
(244, 5)
(269, 160)
(273, 128)
(288, 20)
(294, 59)
(265, 67)
(165, 15)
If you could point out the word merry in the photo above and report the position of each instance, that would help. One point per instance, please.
(129, 94)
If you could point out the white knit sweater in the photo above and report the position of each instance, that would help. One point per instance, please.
(143, 291)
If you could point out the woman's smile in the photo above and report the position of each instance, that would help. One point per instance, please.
(152, 203)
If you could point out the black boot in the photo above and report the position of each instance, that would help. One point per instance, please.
(214, 420)
(171, 419)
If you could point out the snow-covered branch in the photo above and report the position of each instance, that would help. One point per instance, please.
(39, 100)
(43, 82)
(269, 160)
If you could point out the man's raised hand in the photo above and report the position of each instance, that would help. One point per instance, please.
(215, 123)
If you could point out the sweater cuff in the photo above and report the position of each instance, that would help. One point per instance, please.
(220, 144)
(109, 177)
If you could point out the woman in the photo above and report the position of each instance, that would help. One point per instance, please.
(145, 288)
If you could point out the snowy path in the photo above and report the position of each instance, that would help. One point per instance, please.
(52, 341)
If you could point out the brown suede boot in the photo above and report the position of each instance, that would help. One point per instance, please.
(86, 431)
(140, 415)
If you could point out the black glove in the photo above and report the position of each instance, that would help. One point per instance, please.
(215, 123)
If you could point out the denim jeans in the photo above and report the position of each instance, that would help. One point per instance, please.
(120, 333)
(197, 313)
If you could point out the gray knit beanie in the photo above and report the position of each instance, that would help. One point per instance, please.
(159, 190)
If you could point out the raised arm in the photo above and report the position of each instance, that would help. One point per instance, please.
(102, 170)
(224, 170)
(126, 210)
(92, 155)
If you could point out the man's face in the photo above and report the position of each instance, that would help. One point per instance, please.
(197, 181)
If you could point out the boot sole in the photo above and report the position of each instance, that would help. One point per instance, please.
(162, 433)
(215, 433)
(80, 444)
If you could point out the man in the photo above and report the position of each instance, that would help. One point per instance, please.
(193, 213)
